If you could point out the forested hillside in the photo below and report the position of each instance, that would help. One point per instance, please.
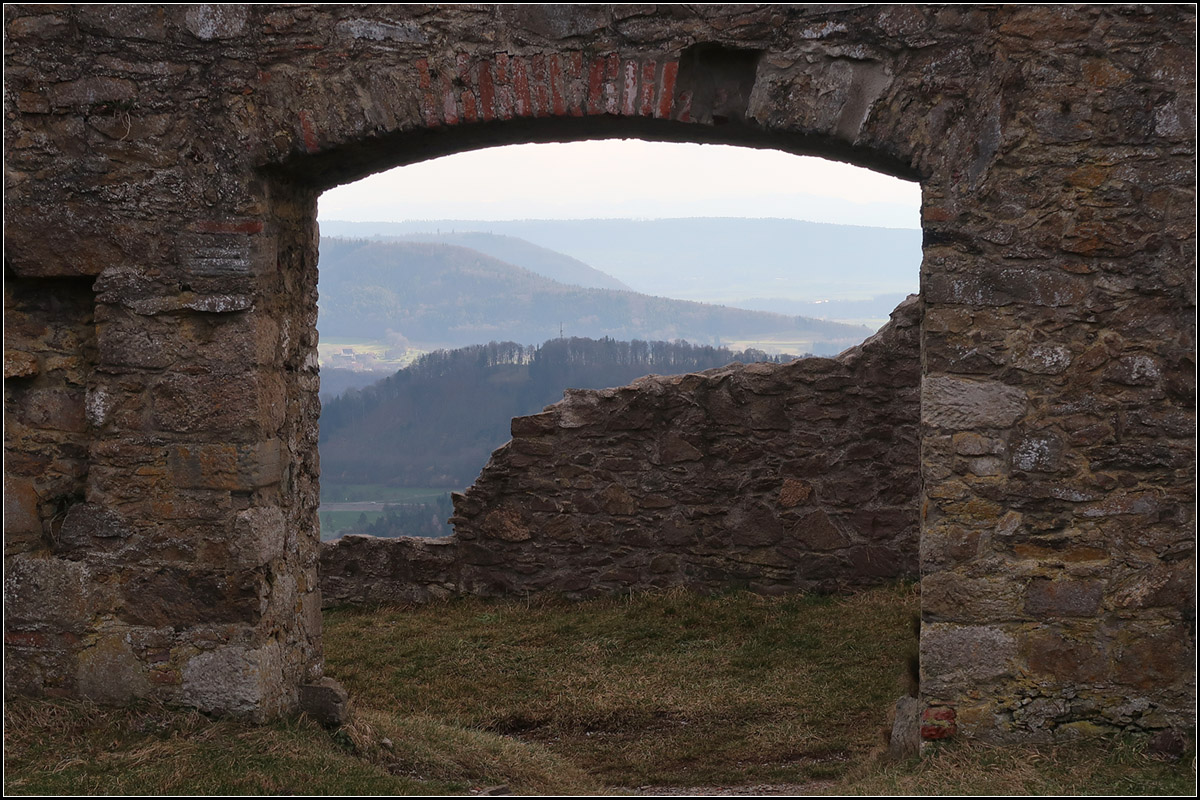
(435, 422)
(527, 255)
(446, 296)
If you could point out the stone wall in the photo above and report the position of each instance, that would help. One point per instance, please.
(775, 478)
(166, 161)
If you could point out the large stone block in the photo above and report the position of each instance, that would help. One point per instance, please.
(961, 404)
(956, 659)
(48, 591)
(1046, 599)
(21, 517)
(260, 535)
(949, 596)
(91, 526)
(109, 672)
(239, 680)
(183, 596)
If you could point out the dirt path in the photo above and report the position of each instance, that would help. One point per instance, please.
(752, 790)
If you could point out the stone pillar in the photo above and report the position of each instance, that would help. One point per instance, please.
(1058, 403)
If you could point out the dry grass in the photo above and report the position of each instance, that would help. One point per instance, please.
(668, 689)
(555, 698)
(1103, 766)
(73, 748)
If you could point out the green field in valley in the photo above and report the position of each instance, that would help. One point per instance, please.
(335, 518)
(377, 492)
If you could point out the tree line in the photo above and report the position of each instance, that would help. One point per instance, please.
(435, 422)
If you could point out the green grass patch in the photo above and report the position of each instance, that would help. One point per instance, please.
(386, 354)
(378, 492)
(668, 689)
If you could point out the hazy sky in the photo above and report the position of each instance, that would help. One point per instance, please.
(627, 178)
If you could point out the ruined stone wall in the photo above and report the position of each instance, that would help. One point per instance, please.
(167, 160)
(776, 478)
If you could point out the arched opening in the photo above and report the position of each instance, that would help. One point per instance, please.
(499, 245)
(790, 510)
(701, 98)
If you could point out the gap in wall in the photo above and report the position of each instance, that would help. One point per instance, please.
(752, 229)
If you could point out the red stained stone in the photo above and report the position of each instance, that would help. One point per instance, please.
(487, 93)
(575, 100)
(556, 86)
(595, 87)
(666, 89)
(647, 107)
(612, 92)
(938, 723)
(504, 89)
(685, 107)
(24, 639)
(164, 677)
(470, 111)
(310, 136)
(935, 732)
(522, 101)
(541, 97)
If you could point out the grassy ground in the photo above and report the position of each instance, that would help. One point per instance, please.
(73, 748)
(553, 698)
(1095, 767)
(668, 689)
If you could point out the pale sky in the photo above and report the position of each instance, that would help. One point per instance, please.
(627, 179)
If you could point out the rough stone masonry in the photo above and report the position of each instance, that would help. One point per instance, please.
(162, 170)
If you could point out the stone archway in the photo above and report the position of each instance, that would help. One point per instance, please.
(163, 166)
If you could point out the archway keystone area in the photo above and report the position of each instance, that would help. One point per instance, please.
(162, 170)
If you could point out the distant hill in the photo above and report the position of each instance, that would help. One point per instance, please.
(712, 259)
(435, 422)
(447, 296)
(518, 252)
